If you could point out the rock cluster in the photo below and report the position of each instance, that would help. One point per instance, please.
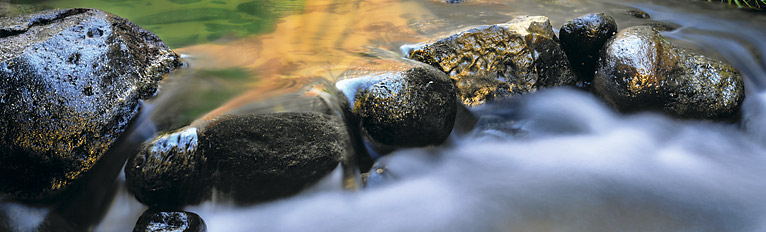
(70, 83)
(72, 80)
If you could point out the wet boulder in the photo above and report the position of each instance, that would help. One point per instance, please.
(251, 158)
(175, 221)
(409, 108)
(70, 82)
(169, 172)
(497, 61)
(582, 38)
(268, 156)
(640, 70)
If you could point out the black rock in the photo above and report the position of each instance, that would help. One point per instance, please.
(71, 81)
(267, 156)
(169, 172)
(637, 13)
(411, 108)
(175, 221)
(582, 38)
(252, 158)
(640, 70)
(498, 61)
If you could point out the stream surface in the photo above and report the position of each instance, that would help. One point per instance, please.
(578, 166)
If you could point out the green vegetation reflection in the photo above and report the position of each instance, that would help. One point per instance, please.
(198, 92)
(187, 22)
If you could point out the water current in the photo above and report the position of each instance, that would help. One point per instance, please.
(553, 160)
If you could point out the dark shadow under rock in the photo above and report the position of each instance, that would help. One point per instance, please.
(582, 38)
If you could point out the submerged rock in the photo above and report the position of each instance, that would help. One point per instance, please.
(582, 38)
(497, 61)
(410, 108)
(175, 221)
(267, 156)
(169, 172)
(640, 70)
(70, 82)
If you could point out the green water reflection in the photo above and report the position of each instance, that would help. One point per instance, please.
(198, 92)
(182, 23)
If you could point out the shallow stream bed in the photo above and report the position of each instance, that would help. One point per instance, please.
(577, 166)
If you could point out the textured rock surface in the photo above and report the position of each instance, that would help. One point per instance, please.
(169, 172)
(408, 108)
(640, 70)
(266, 156)
(582, 38)
(173, 221)
(497, 61)
(71, 81)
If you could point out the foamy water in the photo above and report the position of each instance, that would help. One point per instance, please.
(607, 173)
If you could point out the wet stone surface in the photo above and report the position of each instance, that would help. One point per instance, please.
(169, 172)
(169, 221)
(497, 61)
(640, 70)
(582, 38)
(267, 156)
(251, 158)
(70, 83)
(410, 108)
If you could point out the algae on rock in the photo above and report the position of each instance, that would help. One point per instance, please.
(497, 61)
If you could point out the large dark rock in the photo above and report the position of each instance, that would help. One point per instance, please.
(252, 158)
(497, 61)
(169, 173)
(267, 156)
(171, 221)
(409, 108)
(640, 70)
(71, 81)
(582, 38)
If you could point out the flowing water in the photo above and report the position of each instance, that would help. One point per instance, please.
(554, 160)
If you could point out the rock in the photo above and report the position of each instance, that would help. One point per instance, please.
(169, 172)
(498, 61)
(582, 38)
(640, 70)
(175, 221)
(411, 108)
(252, 158)
(637, 13)
(71, 82)
(267, 156)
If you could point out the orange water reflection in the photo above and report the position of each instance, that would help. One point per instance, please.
(328, 38)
